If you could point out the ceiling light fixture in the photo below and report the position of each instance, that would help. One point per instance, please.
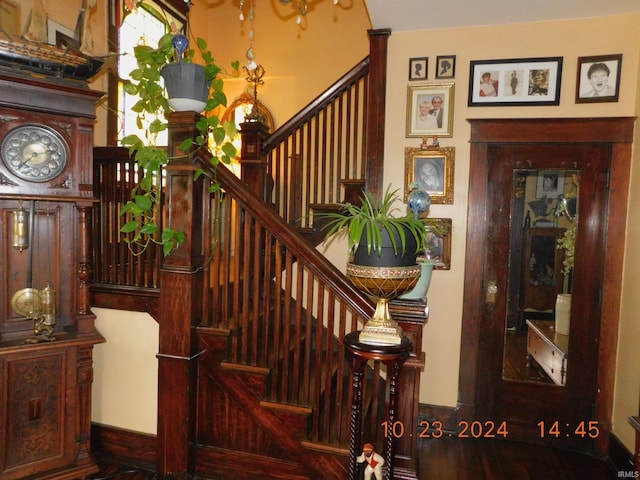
(301, 5)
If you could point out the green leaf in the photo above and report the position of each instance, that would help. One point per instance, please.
(229, 149)
(149, 229)
(186, 144)
(143, 202)
(129, 227)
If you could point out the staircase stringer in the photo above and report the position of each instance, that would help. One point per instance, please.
(278, 425)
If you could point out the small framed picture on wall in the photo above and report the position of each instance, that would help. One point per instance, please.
(598, 78)
(445, 66)
(432, 169)
(430, 110)
(418, 68)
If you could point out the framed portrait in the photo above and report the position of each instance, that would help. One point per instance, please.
(10, 17)
(439, 242)
(61, 36)
(550, 184)
(432, 168)
(445, 66)
(418, 68)
(526, 81)
(430, 110)
(598, 78)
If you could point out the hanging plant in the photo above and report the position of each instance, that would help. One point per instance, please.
(143, 209)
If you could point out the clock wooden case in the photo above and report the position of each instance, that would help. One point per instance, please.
(46, 171)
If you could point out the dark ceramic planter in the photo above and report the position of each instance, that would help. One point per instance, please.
(388, 257)
(186, 85)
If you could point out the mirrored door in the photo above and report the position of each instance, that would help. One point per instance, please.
(530, 374)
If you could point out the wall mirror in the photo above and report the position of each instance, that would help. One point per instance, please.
(542, 236)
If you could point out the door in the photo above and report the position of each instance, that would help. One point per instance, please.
(534, 408)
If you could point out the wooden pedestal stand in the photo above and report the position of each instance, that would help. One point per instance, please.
(393, 356)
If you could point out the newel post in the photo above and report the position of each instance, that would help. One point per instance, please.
(376, 97)
(181, 285)
(253, 164)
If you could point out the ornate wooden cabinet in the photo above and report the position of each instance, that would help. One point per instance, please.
(47, 330)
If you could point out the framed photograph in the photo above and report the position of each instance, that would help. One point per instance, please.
(550, 184)
(418, 68)
(61, 36)
(525, 81)
(439, 241)
(10, 17)
(445, 66)
(598, 78)
(432, 168)
(430, 110)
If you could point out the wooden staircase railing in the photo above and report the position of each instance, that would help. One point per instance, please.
(252, 367)
(275, 315)
(319, 148)
(122, 279)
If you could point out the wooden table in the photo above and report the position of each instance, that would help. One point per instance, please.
(548, 348)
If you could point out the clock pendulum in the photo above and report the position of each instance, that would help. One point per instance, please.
(31, 303)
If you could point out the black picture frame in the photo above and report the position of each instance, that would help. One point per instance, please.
(515, 82)
(445, 66)
(418, 68)
(589, 68)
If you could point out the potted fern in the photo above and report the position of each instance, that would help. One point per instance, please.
(141, 211)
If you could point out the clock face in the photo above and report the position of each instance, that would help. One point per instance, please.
(34, 152)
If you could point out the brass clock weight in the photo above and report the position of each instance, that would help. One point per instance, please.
(29, 302)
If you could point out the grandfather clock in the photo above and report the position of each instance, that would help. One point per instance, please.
(47, 329)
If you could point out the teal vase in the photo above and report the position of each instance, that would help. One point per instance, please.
(419, 292)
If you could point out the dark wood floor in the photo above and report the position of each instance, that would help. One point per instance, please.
(491, 459)
(462, 459)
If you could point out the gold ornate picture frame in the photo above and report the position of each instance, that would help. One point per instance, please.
(439, 241)
(432, 168)
(430, 110)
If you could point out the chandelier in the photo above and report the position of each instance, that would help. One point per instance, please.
(301, 5)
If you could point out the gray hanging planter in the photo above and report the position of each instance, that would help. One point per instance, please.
(186, 85)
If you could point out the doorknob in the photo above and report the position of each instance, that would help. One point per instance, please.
(492, 290)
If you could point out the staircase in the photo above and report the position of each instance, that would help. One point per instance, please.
(254, 380)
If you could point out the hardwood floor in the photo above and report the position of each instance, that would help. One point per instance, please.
(461, 459)
(491, 459)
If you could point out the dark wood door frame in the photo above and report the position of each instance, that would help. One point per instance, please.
(617, 133)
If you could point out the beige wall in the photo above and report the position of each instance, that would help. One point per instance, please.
(301, 62)
(568, 39)
(125, 380)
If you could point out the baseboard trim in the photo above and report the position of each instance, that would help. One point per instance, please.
(135, 448)
(447, 416)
